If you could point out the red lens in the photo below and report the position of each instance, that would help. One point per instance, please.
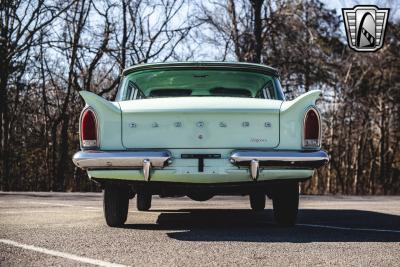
(311, 126)
(88, 129)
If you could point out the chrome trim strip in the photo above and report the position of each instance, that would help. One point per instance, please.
(293, 159)
(145, 159)
(200, 65)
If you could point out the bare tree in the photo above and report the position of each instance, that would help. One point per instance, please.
(20, 23)
(50, 50)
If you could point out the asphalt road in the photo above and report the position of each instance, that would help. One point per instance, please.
(68, 229)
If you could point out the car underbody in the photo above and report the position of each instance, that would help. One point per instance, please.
(174, 189)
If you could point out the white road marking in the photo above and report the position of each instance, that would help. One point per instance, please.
(348, 228)
(60, 254)
(51, 204)
(42, 211)
(56, 204)
(31, 211)
(92, 208)
(46, 203)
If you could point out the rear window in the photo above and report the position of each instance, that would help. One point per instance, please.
(161, 83)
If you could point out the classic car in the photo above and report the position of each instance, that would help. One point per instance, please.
(200, 129)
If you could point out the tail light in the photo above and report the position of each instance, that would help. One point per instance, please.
(312, 129)
(89, 137)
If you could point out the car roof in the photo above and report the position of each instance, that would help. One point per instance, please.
(203, 64)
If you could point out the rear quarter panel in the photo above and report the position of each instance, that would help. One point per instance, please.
(109, 120)
(291, 119)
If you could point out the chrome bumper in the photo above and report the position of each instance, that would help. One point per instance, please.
(145, 160)
(256, 159)
(148, 159)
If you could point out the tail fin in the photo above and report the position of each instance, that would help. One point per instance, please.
(99, 103)
(304, 100)
(292, 117)
(109, 119)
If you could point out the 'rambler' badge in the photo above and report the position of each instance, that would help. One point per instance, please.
(258, 140)
(365, 27)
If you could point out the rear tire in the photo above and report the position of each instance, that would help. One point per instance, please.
(257, 201)
(285, 200)
(115, 205)
(143, 201)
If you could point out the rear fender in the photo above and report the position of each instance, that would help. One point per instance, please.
(109, 119)
(291, 119)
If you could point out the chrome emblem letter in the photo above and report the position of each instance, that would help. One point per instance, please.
(200, 124)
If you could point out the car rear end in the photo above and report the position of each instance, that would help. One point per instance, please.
(200, 129)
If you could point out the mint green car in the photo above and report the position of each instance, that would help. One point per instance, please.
(199, 130)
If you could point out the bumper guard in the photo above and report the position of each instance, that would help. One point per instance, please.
(145, 160)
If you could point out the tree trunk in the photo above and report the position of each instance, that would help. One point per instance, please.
(63, 152)
(257, 4)
(4, 120)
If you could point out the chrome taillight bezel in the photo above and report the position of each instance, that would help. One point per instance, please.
(319, 140)
(85, 145)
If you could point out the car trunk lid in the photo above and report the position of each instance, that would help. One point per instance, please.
(200, 122)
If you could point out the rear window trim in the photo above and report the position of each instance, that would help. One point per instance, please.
(204, 65)
(275, 81)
